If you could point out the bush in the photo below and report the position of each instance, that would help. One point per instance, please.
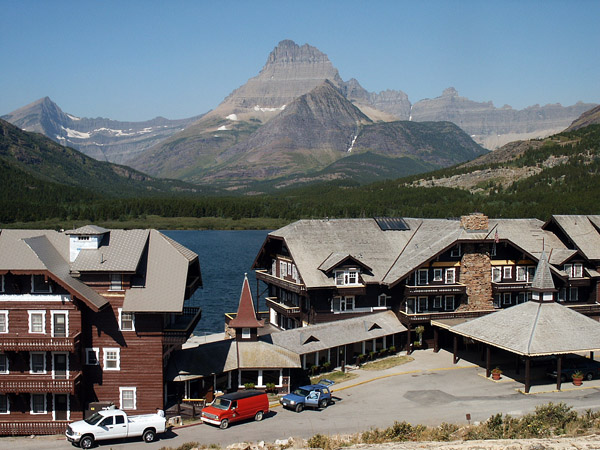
(320, 441)
(249, 385)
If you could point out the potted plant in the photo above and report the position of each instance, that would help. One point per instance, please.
(249, 385)
(271, 387)
(577, 378)
(496, 373)
(420, 330)
(326, 366)
(392, 349)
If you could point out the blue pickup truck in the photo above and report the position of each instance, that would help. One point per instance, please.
(589, 368)
(312, 395)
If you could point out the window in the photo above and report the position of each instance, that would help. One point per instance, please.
(40, 284)
(341, 304)
(437, 274)
(91, 356)
(289, 269)
(456, 251)
(128, 397)
(507, 272)
(116, 282)
(294, 272)
(4, 321)
(4, 406)
(274, 268)
(83, 238)
(126, 321)
(573, 294)
(422, 277)
(410, 305)
(382, 300)
(496, 274)
(449, 303)
(521, 297)
(3, 363)
(245, 333)
(282, 269)
(37, 362)
(450, 276)
(506, 299)
(60, 324)
(112, 360)
(574, 270)
(497, 300)
(1, 283)
(521, 273)
(562, 294)
(346, 277)
(530, 273)
(422, 305)
(37, 322)
(437, 302)
(38, 403)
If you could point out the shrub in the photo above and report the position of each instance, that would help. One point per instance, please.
(320, 441)
(249, 385)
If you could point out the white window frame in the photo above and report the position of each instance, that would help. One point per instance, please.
(573, 290)
(120, 311)
(496, 274)
(36, 312)
(497, 300)
(344, 277)
(530, 273)
(104, 358)
(66, 360)
(96, 352)
(294, 272)
(45, 411)
(456, 251)
(54, 405)
(421, 272)
(578, 270)
(507, 298)
(7, 404)
(447, 299)
(246, 333)
(4, 313)
(507, 272)
(437, 302)
(66, 314)
(274, 267)
(282, 269)
(422, 304)
(38, 291)
(562, 294)
(350, 304)
(382, 300)
(125, 389)
(450, 277)
(6, 368)
(521, 297)
(438, 274)
(44, 357)
(521, 273)
(115, 281)
(413, 301)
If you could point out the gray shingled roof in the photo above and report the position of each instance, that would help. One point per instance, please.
(542, 280)
(119, 251)
(262, 355)
(166, 276)
(340, 332)
(535, 329)
(583, 233)
(88, 230)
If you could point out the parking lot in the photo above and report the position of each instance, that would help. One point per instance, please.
(429, 390)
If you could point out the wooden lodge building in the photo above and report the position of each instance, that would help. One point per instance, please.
(88, 315)
(424, 270)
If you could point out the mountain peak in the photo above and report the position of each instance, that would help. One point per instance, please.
(450, 92)
(288, 52)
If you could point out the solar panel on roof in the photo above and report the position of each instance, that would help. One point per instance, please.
(392, 224)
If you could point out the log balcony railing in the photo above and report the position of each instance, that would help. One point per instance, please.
(183, 326)
(28, 343)
(283, 307)
(21, 383)
(428, 316)
(264, 275)
(509, 287)
(35, 427)
(435, 289)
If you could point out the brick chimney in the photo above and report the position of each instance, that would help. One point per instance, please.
(475, 222)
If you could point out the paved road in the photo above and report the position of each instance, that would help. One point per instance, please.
(428, 390)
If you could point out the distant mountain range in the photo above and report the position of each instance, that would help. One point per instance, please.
(298, 120)
(102, 139)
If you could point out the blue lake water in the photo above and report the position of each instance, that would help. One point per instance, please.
(224, 258)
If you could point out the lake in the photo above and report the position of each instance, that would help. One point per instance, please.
(224, 257)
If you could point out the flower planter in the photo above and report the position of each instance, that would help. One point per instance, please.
(495, 376)
(578, 381)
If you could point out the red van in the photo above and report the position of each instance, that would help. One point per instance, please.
(236, 406)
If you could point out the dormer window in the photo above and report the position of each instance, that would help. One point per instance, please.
(346, 277)
(39, 284)
(574, 270)
(456, 251)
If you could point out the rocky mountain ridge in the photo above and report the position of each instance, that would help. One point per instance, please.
(102, 139)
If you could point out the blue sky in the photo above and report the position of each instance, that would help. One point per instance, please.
(135, 60)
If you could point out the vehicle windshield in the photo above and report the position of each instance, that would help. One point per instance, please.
(221, 403)
(94, 418)
(302, 392)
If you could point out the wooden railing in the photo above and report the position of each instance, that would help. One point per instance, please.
(39, 383)
(26, 343)
(285, 307)
(179, 331)
(28, 428)
(265, 276)
(426, 317)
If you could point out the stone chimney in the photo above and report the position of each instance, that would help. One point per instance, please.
(475, 222)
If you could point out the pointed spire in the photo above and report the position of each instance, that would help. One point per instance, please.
(246, 317)
(542, 281)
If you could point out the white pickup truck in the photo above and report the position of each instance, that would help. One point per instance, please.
(114, 424)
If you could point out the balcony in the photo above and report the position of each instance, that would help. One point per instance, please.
(518, 286)
(265, 276)
(182, 327)
(285, 308)
(13, 428)
(435, 289)
(18, 383)
(427, 316)
(38, 343)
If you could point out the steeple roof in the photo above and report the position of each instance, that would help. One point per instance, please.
(246, 317)
(542, 281)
